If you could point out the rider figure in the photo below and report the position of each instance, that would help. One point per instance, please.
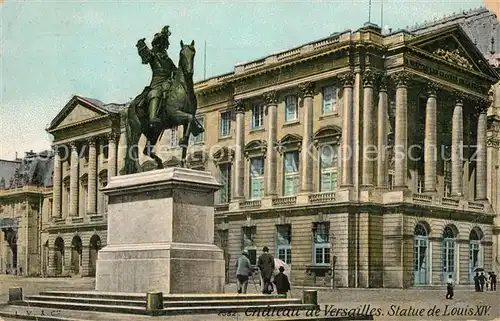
(163, 71)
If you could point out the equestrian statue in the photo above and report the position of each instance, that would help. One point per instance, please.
(169, 101)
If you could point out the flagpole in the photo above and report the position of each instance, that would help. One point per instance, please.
(369, 10)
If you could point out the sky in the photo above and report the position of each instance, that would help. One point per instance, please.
(52, 50)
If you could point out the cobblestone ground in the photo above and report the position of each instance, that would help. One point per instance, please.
(388, 304)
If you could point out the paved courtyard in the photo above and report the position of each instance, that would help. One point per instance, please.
(385, 304)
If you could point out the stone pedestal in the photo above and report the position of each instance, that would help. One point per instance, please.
(161, 234)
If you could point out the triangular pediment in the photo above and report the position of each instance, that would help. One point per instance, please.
(451, 45)
(77, 110)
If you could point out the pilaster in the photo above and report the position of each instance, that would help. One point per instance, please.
(401, 135)
(457, 142)
(239, 162)
(368, 131)
(73, 192)
(57, 185)
(481, 167)
(347, 81)
(92, 177)
(271, 159)
(306, 163)
(382, 134)
(430, 153)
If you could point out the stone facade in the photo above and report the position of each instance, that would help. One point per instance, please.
(25, 189)
(311, 146)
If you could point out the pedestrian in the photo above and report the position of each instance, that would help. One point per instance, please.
(493, 281)
(476, 282)
(243, 270)
(487, 281)
(449, 287)
(282, 283)
(482, 280)
(266, 267)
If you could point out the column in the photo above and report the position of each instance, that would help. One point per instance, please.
(73, 181)
(92, 174)
(111, 155)
(457, 140)
(401, 132)
(57, 184)
(430, 156)
(306, 162)
(368, 132)
(347, 81)
(239, 164)
(271, 158)
(382, 135)
(481, 181)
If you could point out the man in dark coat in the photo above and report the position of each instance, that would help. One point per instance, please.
(493, 281)
(266, 267)
(482, 281)
(476, 282)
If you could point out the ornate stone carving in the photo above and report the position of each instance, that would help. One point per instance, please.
(382, 82)
(239, 106)
(91, 141)
(307, 89)
(492, 142)
(369, 77)
(491, 95)
(73, 145)
(432, 88)
(459, 97)
(347, 79)
(270, 98)
(481, 106)
(454, 57)
(401, 78)
(112, 137)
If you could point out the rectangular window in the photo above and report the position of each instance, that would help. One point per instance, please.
(291, 108)
(201, 137)
(447, 178)
(84, 198)
(225, 124)
(257, 116)
(249, 234)
(256, 177)
(284, 243)
(225, 181)
(328, 168)
(329, 100)
(420, 184)
(321, 234)
(174, 136)
(291, 170)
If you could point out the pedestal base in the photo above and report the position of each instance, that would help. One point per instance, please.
(169, 268)
(161, 234)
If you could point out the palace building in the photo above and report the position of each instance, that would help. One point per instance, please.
(364, 159)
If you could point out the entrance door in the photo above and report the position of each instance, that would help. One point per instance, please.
(420, 254)
(448, 254)
(420, 260)
(473, 259)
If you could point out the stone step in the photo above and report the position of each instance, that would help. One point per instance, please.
(142, 296)
(198, 309)
(168, 303)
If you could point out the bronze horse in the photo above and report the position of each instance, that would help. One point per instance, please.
(178, 107)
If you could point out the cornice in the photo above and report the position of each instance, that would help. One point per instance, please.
(80, 123)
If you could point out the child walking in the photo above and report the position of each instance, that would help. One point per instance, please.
(282, 283)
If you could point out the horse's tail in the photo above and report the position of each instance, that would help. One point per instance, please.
(132, 133)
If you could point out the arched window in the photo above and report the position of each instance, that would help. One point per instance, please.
(448, 252)
(475, 252)
(420, 230)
